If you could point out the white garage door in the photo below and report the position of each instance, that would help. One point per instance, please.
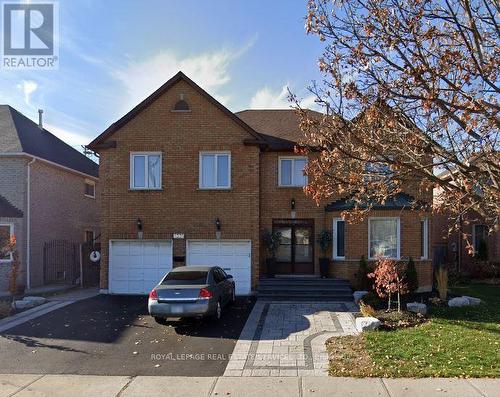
(135, 266)
(234, 256)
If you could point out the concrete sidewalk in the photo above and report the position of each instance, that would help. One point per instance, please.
(53, 303)
(77, 385)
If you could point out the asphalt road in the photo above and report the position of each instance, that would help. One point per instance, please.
(114, 335)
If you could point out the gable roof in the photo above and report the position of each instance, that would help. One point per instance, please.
(155, 95)
(278, 123)
(19, 134)
(7, 210)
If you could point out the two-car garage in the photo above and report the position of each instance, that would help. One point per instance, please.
(136, 266)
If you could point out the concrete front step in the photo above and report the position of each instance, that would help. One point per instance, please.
(328, 288)
(305, 282)
(305, 288)
(307, 298)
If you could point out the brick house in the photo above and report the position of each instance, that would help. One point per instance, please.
(188, 182)
(453, 248)
(48, 191)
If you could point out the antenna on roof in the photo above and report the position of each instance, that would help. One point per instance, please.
(40, 119)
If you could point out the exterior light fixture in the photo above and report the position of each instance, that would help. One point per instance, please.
(292, 212)
(217, 229)
(139, 228)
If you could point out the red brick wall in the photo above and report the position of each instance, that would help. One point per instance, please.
(59, 211)
(276, 202)
(356, 244)
(180, 206)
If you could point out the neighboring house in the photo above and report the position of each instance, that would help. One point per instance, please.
(186, 181)
(48, 191)
(460, 247)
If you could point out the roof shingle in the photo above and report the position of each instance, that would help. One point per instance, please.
(20, 134)
(278, 123)
(7, 210)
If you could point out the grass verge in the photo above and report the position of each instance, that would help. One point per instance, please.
(456, 342)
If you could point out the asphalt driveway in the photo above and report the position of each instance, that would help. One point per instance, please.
(114, 335)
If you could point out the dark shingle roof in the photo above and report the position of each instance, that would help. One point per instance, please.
(20, 134)
(278, 123)
(399, 201)
(7, 210)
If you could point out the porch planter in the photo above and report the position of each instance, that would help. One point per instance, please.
(324, 264)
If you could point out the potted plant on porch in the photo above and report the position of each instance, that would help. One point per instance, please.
(271, 241)
(324, 241)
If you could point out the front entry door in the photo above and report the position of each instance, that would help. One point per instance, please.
(295, 253)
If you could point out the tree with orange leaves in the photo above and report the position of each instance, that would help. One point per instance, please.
(411, 95)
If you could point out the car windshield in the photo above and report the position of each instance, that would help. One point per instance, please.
(185, 278)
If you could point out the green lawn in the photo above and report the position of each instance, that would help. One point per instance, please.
(461, 342)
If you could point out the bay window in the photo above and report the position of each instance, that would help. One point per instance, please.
(384, 238)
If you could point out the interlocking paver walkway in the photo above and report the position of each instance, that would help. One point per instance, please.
(288, 338)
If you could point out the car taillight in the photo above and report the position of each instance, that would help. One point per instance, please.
(205, 294)
(153, 295)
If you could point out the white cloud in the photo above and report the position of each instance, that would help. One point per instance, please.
(72, 138)
(27, 87)
(265, 98)
(209, 70)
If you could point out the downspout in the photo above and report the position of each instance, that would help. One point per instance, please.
(28, 227)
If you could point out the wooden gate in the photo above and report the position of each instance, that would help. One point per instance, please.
(90, 270)
(61, 262)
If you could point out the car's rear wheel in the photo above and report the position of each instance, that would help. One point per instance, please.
(161, 320)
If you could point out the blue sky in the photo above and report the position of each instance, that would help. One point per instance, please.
(114, 53)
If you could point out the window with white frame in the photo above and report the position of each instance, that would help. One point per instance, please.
(338, 234)
(215, 170)
(6, 232)
(291, 171)
(384, 238)
(89, 188)
(145, 171)
(424, 239)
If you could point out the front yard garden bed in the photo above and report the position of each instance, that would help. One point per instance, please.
(454, 342)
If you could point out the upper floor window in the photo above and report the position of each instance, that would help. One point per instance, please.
(384, 238)
(291, 171)
(89, 188)
(338, 238)
(215, 170)
(378, 171)
(145, 171)
(6, 232)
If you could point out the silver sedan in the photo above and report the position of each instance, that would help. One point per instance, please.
(192, 291)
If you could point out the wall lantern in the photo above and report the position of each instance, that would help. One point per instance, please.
(217, 229)
(292, 203)
(139, 228)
